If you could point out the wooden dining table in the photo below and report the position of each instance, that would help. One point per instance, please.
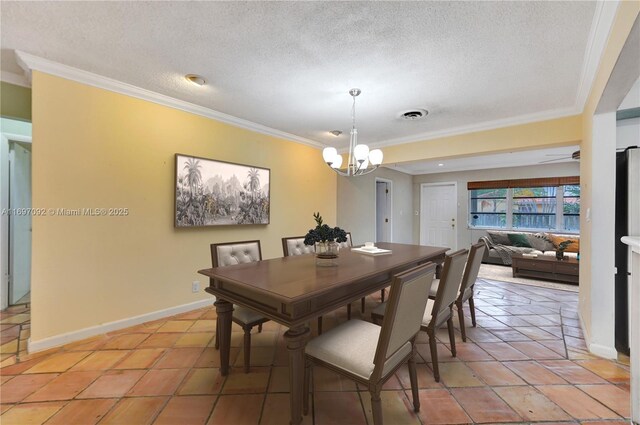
(294, 290)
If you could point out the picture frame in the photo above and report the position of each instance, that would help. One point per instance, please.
(210, 192)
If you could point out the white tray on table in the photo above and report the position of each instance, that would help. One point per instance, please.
(374, 251)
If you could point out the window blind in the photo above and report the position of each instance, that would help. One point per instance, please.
(537, 182)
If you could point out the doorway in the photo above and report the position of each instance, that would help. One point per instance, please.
(15, 257)
(438, 212)
(383, 210)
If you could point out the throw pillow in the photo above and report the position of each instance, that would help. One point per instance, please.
(499, 238)
(519, 239)
(540, 242)
(574, 246)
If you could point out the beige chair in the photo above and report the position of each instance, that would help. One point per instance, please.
(370, 354)
(227, 254)
(295, 246)
(440, 310)
(474, 260)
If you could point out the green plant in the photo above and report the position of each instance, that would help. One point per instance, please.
(563, 245)
(324, 233)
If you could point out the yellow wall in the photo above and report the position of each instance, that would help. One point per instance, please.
(95, 148)
(557, 132)
(626, 15)
(15, 101)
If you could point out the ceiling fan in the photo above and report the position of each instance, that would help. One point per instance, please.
(562, 157)
(576, 155)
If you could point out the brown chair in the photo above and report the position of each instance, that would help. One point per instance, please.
(227, 254)
(295, 246)
(474, 260)
(370, 354)
(440, 310)
(347, 245)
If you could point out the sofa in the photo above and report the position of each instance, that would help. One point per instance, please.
(502, 244)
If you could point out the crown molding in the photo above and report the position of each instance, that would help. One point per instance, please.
(400, 168)
(488, 125)
(601, 25)
(15, 79)
(30, 62)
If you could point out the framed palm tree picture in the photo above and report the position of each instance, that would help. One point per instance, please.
(218, 193)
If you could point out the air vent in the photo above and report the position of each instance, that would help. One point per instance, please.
(575, 155)
(414, 114)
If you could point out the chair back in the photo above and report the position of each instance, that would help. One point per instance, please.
(347, 244)
(295, 246)
(230, 253)
(474, 260)
(448, 288)
(403, 315)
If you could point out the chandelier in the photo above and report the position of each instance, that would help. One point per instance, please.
(361, 161)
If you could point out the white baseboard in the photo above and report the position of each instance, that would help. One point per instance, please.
(603, 351)
(66, 338)
(597, 349)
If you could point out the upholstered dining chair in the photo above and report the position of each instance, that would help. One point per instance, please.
(370, 354)
(349, 244)
(440, 310)
(474, 260)
(295, 246)
(227, 254)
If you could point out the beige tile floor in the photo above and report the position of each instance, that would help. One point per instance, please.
(526, 362)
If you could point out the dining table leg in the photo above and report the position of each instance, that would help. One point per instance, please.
(296, 339)
(224, 310)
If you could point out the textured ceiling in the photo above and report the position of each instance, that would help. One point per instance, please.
(289, 65)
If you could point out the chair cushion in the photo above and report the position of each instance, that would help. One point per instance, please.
(379, 310)
(427, 312)
(246, 315)
(434, 288)
(352, 347)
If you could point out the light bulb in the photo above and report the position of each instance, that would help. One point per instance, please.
(375, 157)
(361, 152)
(329, 155)
(337, 161)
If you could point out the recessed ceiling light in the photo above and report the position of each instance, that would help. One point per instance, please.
(336, 132)
(441, 165)
(195, 79)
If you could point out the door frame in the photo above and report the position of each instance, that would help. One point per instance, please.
(389, 206)
(5, 139)
(423, 212)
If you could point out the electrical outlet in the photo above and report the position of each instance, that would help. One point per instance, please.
(195, 286)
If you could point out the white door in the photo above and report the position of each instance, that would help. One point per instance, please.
(19, 224)
(438, 212)
(383, 211)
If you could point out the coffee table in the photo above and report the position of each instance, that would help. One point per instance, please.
(546, 267)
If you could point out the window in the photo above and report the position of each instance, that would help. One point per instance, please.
(488, 208)
(534, 207)
(519, 207)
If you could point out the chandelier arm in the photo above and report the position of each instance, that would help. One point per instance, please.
(353, 166)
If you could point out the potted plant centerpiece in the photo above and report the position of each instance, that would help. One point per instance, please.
(560, 249)
(326, 241)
